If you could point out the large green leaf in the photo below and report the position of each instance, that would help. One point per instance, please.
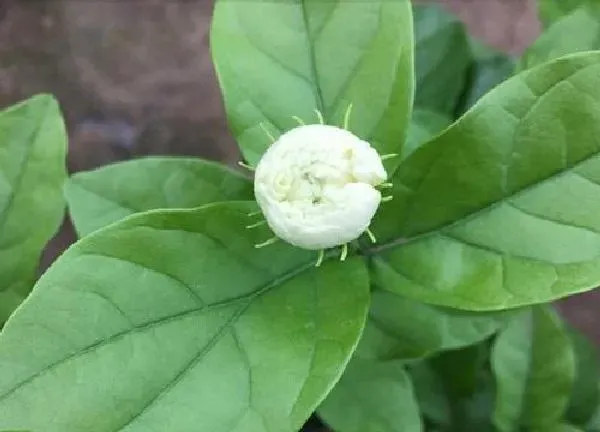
(171, 320)
(534, 365)
(401, 328)
(578, 31)
(32, 172)
(442, 58)
(103, 196)
(502, 209)
(424, 125)
(585, 397)
(553, 10)
(372, 397)
(279, 59)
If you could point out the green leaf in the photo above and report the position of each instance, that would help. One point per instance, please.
(490, 68)
(463, 381)
(486, 75)
(401, 328)
(468, 385)
(553, 10)
(442, 57)
(478, 410)
(171, 320)
(534, 365)
(276, 60)
(576, 32)
(502, 209)
(594, 424)
(424, 125)
(455, 389)
(430, 393)
(103, 196)
(585, 397)
(372, 397)
(32, 171)
(563, 427)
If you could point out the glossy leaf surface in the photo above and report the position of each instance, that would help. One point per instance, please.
(534, 366)
(33, 146)
(577, 31)
(402, 328)
(172, 320)
(442, 58)
(100, 197)
(502, 209)
(372, 397)
(284, 59)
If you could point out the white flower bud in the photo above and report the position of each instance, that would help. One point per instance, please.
(316, 186)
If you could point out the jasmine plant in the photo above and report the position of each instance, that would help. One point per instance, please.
(422, 237)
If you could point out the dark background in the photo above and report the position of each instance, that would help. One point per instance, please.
(134, 77)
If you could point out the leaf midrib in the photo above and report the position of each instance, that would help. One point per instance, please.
(313, 60)
(285, 277)
(22, 168)
(399, 241)
(192, 166)
(194, 360)
(81, 185)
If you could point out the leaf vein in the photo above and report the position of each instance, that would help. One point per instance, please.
(290, 274)
(551, 220)
(312, 59)
(190, 365)
(21, 173)
(486, 207)
(180, 283)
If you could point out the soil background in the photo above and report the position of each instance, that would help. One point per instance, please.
(134, 77)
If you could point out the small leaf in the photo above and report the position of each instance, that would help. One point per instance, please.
(32, 172)
(575, 32)
(585, 397)
(372, 397)
(276, 60)
(100, 197)
(534, 365)
(423, 126)
(172, 321)
(442, 57)
(401, 328)
(502, 209)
